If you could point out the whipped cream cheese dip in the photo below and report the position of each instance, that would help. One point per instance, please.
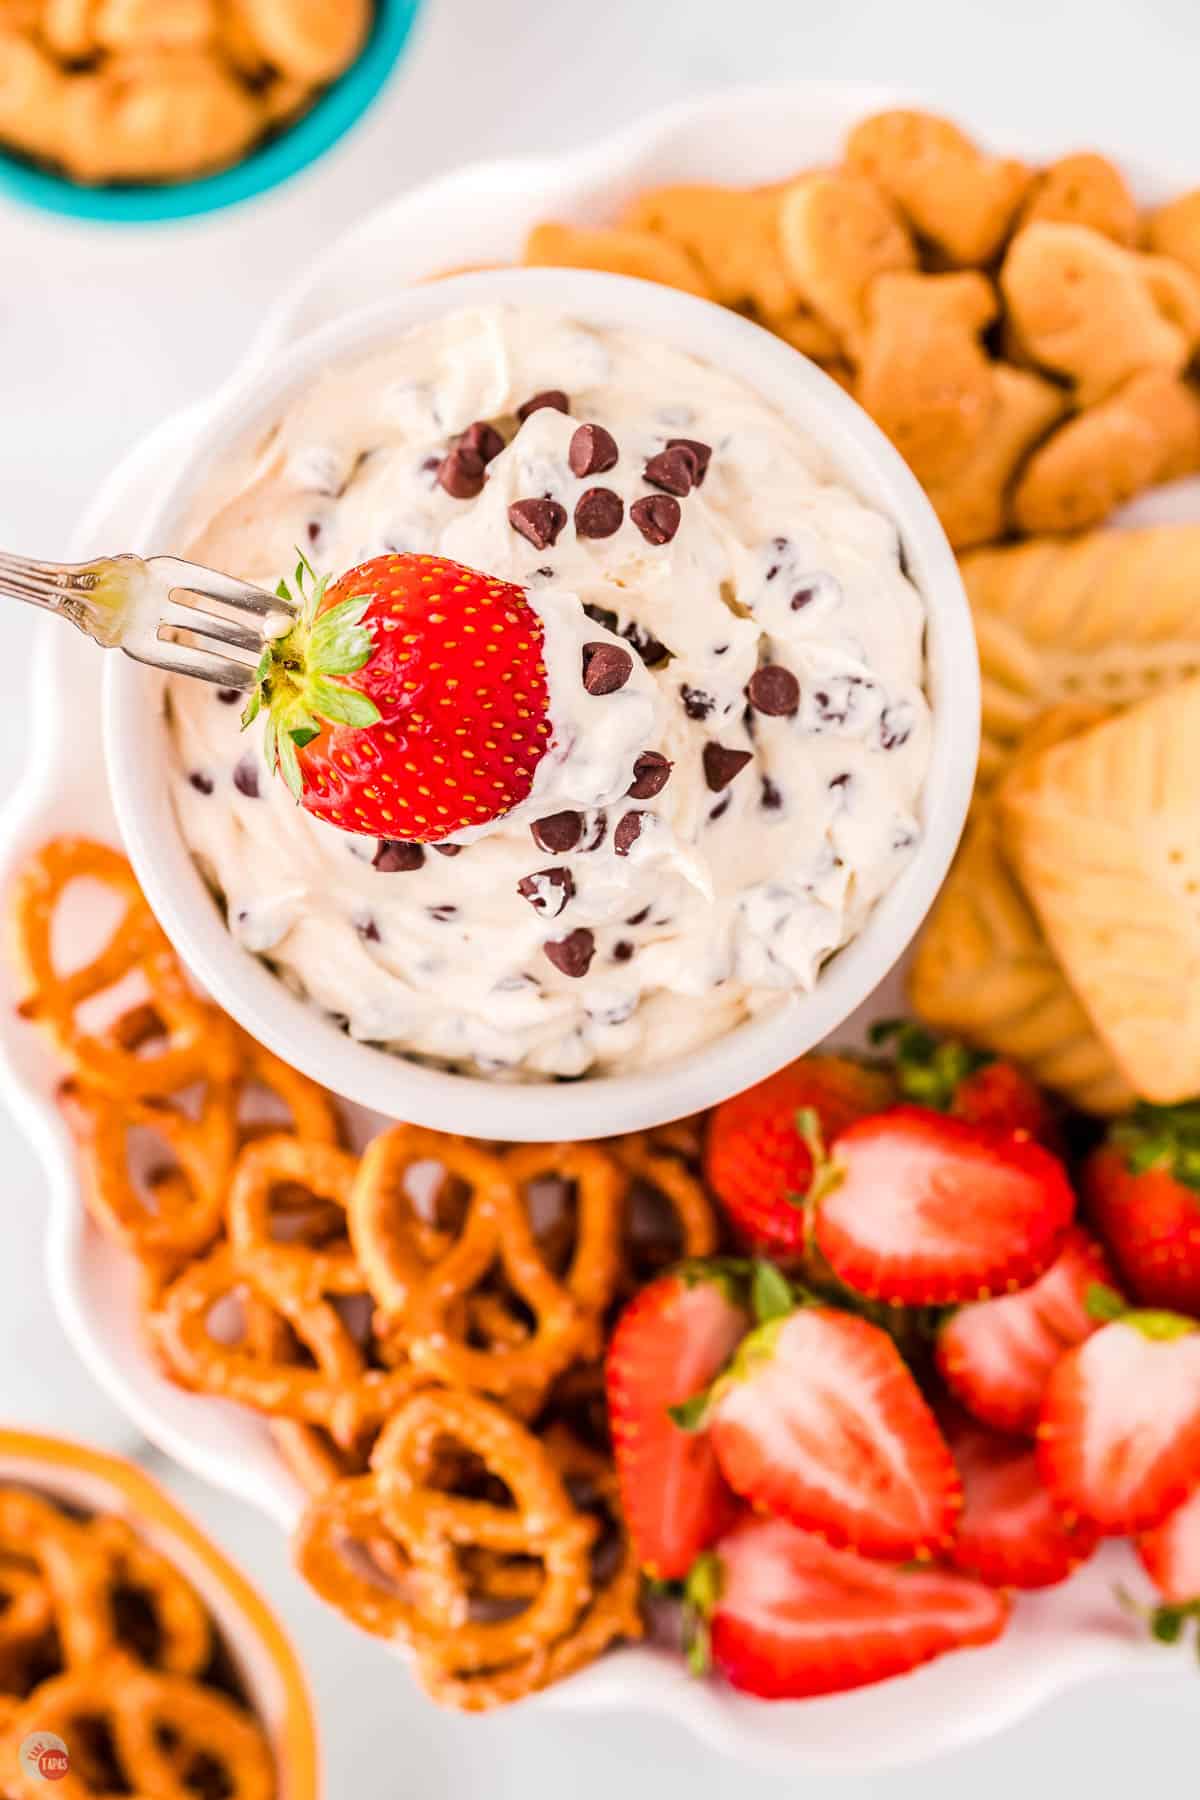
(778, 680)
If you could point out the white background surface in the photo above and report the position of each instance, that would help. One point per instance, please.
(102, 333)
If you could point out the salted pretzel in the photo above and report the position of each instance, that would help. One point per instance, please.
(167, 1734)
(424, 1299)
(341, 1394)
(657, 1171)
(26, 1617)
(191, 1038)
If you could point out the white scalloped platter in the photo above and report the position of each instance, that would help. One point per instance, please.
(479, 215)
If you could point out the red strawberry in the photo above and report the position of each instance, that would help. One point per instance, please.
(1171, 1554)
(819, 1420)
(759, 1156)
(1010, 1532)
(669, 1343)
(789, 1617)
(927, 1210)
(1143, 1191)
(971, 1084)
(409, 700)
(1119, 1437)
(997, 1355)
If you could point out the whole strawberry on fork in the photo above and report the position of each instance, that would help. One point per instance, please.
(408, 700)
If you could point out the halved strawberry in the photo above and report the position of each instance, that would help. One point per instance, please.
(972, 1084)
(670, 1342)
(1142, 1189)
(760, 1148)
(996, 1356)
(1171, 1554)
(789, 1617)
(1119, 1436)
(819, 1420)
(927, 1210)
(1010, 1532)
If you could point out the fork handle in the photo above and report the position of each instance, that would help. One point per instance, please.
(97, 597)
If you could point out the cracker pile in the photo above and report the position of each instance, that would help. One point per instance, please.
(423, 1326)
(1023, 336)
(104, 1644)
(162, 90)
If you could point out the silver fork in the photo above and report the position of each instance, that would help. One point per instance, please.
(159, 610)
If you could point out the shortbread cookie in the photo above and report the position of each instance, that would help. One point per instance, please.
(1095, 313)
(984, 972)
(1147, 432)
(972, 503)
(957, 198)
(638, 253)
(925, 377)
(1084, 189)
(812, 337)
(1108, 618)
(157, 115)
(1174, 231)
(733, 233)
(1104, 833)
(838, 231)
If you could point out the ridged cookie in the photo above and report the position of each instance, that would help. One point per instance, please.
(984, 972)
(1104, 833)
(1110, 618)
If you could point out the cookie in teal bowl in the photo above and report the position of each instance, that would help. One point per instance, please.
(331, 116)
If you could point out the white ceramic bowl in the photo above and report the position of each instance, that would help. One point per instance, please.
(135, 734)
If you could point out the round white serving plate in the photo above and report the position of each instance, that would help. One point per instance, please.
(1071, 1634)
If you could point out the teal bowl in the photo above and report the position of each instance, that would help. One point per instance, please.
(339, 108)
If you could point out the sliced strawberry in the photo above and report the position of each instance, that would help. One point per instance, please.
(820, 1421)
(670, 1342)
(759, 1155)
(1142, 1189)
(996, 1356)
(789, 1617)
(972, 1084)
(1171, 1554)
(1119, 1437)
(1010, 1533)
(927, 1210)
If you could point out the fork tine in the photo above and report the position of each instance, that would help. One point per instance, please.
(206, 665)
(177, 616)
(215, 586)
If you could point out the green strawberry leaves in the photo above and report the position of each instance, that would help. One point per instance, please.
(1162, 1139)
(929, 1071)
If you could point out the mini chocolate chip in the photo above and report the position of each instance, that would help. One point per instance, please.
(841, 781)
(629, 830)
(651, 773)
(771, 800)
(674, 471)
(229, 696)
(558, 832)
(599, 833)
(484, 439)
(552, 397)
(639, 918)
(657, 517)
(592, 451)
(546, 573)
(559, 882)
(598, 513)
(721, 765)
(203, 784)
(895, 726)
(803, 597)
(315, 529)
(606, 667)
(600, 615)
(720, 809)
(461, 473)
(448, 849)
(622, 951)
(573, 954)
(245, 776)
(647, 647)
(774, 690)
(395, 857)
(701, 455)
(368, 930)
(442, 913)
(696, 703)
(538, 521)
